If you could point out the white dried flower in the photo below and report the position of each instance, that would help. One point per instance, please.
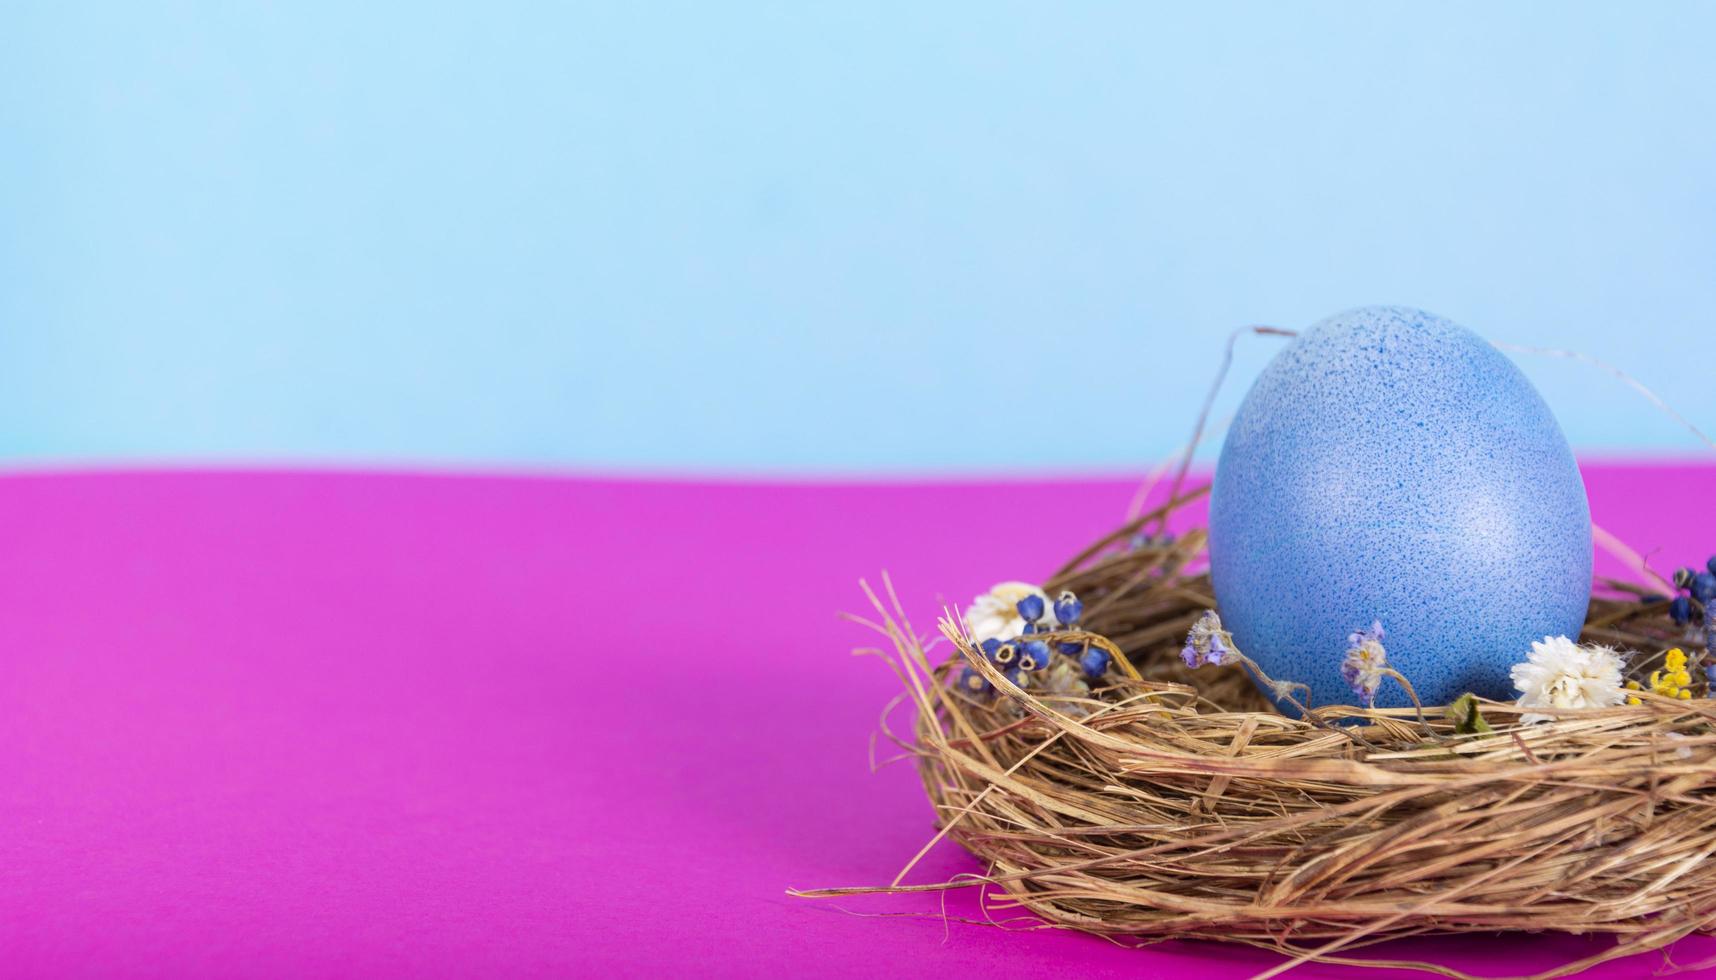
(1563, 674)
(1682, 750)
(995, 614)
(1065, 679)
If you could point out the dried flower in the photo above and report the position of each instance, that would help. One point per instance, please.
(1143, 540)
(1680, 610)
(1681, 750)
(1703, 587)
(1068, 609)
(1710, 647)
(1207, 643)
(1366, 662)
(1562, 674)
(995, 614)
(1672, 681)
(1094, 662)
(1034, 655)
(1065, 680)
(1031, 607)
(973, 682)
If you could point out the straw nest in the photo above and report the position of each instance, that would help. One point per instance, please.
(1170, 803)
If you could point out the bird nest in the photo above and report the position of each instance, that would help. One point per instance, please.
(1172, 803)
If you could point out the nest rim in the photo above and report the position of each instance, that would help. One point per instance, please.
(1167, 804)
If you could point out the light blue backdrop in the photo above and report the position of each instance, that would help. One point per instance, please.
(818, 237)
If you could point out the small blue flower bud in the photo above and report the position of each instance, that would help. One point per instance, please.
(1016, 676)
(1068, 609)
(1071, 648)
(1005, 655)
(1681, 610)
(973, 682)
(1683, 578)
(1029, 629)
(1030, 608)
(1711, 564)
(1704, 586)
(1033, 655)
(989, 647)
(1095, 662)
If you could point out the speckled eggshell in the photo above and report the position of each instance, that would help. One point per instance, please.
(1390, 465)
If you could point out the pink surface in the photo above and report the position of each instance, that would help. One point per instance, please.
(292, 724)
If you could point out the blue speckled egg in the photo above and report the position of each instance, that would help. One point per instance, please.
(1390, 465)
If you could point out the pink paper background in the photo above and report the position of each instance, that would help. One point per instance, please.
(285, 724)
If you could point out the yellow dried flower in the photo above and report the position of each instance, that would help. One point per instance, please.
(1672, 681)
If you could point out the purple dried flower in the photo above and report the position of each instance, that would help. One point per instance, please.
(1703, 587)
(1207, 643)
(1372, 633)
(1034, 655)
(1094, 662)
(1680, 610)
(1031, 608)
(974, 682)
(1365, 663)
(1068, 609)
(1710, 646)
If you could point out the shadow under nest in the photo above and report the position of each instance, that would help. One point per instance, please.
(1179, 804)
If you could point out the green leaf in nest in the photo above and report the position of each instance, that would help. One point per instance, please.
(1467, 719)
